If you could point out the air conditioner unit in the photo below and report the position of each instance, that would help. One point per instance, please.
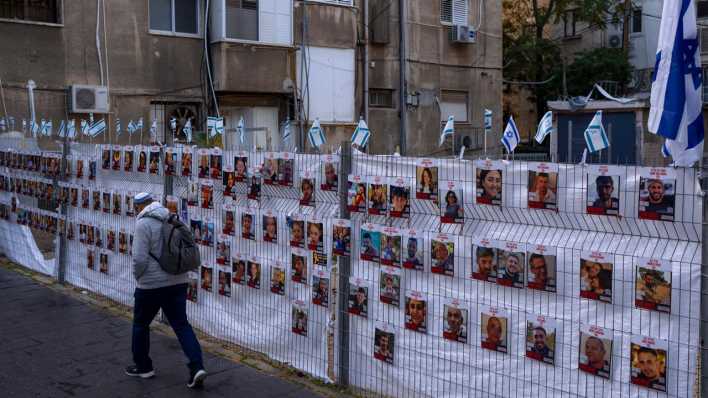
(462, 34)
(88, 99)
(615, 41)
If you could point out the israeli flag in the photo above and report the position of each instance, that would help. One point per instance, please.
(118, 127)
(153, 130)
(139, 125)
(361, 134)
(187, 129)
(545, 127)
(286, 130)
(34, 128)
(46, 128)
(62, 129)
(132, 127)
(173, 124)
(595, 136)
(11, 122)
(511, 137)
(84, 127)
(215, 125)
(316, 135)
(676, 105)
(449, 129)
(97, 128)
(3, 124)
(71, 129)
(487, 121)
(241, 130)
(665, 151)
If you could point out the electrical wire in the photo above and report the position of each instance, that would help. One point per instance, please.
(2, 97)
(105, 47)
(206, 54)
(98, 38)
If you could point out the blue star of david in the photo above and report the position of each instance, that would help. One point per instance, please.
(689, 57)
(509, 134)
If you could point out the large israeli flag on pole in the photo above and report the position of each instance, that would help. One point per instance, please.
(448, 130)
(676, 105)
(595, 136)
(545, 127)
(511, 137)
(316, 135)
(361, 134)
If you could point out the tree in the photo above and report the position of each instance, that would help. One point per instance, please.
(530, 54)
(595, 65)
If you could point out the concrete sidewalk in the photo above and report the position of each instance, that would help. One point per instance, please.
(54, 345)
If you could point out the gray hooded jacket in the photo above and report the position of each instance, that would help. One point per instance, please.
(148, 239)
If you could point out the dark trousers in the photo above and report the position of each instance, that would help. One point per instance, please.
(173, 301)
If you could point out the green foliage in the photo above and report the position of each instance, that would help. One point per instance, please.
(596, 65)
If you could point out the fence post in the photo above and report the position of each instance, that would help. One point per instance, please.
(344, 264)
(60, 250)
(703, 381)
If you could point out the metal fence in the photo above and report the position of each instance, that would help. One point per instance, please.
(402, 276)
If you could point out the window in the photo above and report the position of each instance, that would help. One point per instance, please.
(339, 2)
(705, 86)
(569, 22)
(702, 9)
(703, 40)
(637, 20)
(454, 12)
(31, 10)
(175, 16)
(453, 103)
(380, 98)
(329, 83)
(242, 19)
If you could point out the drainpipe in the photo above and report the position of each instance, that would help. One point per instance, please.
(402, 16)
(365, 70)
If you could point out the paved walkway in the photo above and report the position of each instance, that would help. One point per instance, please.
(53, 345)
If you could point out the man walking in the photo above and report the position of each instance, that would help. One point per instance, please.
(157, 289)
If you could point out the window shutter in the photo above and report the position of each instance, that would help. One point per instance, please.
(460, 12)
(446, 11)
(275, 22)
(704, 40)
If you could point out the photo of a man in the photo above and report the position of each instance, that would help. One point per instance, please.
(384, 343)
(596, 277)
(369, 244)
(595, 352)
(414, 254)
(358, 302)
(170, 162)
(648, 360)
(238, 267)
(307, 192)
(543, 186)
(270, 228)
(494, 330)
(224, 283)
(331, 180)
(241, 168)
(203, 169)
(320, 289)
(229, 227)
(356, 195)
(254, 274)
(223, 250)
(657, 199)
(299, 267)
(390, 248)
(186, 162)
(484, 266)
(511, 269)
(442, 256)
(228, 181)
(389, 287)
(455, 323)
(277, 280)
(416, 313)
(215, 160)
(603, 195)
(286, 165)
(192, 288)
(541, 340)
(541, 272)
(207, 278)
(154, 160)
(207, 193)
(299, 318)
(254, 187)
(653, 286)
(378, 197)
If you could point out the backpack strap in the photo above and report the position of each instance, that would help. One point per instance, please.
(162, 221)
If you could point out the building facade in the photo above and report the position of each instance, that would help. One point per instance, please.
(266, 61)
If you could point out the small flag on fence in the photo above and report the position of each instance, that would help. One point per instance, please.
(676, 111)
(188, 129)
(511, 137)
(131, 127)
(3, 124)
(545, 127)
(316, 135)
(62, 129)
(11, 123)
(84, 127)
(286, 130)
(24, 126)
(241, 130)
(595, 136)
(449, 129)
(173, 124)
(215, 125)
(361, 134)
(34, 127)
(487, 121)
(46, 128)
(153, 130)
(118, 127)
(97, 128)
(71, 129)
(139, 125)
(665, 151)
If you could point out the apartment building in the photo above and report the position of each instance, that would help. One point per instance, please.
(266, 61)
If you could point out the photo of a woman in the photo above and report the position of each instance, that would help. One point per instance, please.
(489, 187)
(427, 184)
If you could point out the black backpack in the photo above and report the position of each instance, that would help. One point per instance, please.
(179, 252)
